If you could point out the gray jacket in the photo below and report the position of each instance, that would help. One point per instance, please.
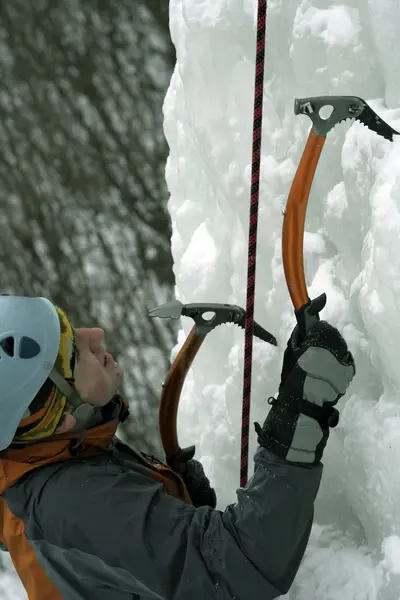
(104, 530)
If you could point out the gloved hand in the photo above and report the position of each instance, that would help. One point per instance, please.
(198, 485)
(315, 374)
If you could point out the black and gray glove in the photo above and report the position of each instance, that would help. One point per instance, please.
(315, 374)
(197, 484)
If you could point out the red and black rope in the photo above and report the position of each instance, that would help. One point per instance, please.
(252, 252)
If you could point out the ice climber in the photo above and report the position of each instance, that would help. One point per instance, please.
(85, 517)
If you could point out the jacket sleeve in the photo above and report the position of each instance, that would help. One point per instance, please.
(119, 526)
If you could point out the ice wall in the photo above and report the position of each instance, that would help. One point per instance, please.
(352, 252)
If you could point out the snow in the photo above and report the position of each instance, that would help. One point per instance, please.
(336, 25)
(352, 252)
(11, 587)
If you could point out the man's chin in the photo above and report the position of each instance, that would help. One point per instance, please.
(117, 388)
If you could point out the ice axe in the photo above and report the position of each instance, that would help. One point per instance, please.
(206, 316)
(343, 108)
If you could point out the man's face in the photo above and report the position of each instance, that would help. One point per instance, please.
(97, 376)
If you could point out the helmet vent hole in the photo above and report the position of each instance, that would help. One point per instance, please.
(28, 348)
(8, 345)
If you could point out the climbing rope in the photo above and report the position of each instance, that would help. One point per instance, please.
(252, 248)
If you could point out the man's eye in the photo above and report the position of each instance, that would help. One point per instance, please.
(74, 357)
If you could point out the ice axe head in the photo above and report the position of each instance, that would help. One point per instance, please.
(342, 108)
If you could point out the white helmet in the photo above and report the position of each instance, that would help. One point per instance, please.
(29, 341)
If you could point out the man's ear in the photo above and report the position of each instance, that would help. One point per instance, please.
(67, 422)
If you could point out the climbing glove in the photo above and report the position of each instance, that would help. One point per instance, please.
(197, 484)
(316, 372)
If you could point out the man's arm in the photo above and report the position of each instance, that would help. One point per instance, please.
(97, 521)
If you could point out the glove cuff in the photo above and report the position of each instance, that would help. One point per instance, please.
(280, 432)
(326, 415)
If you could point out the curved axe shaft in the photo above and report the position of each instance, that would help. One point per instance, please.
(343, 108)
(170, 396)
(207, 316)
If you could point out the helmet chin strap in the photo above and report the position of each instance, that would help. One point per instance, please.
(86, 414)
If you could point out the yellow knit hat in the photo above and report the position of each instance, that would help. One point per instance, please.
(44, 413)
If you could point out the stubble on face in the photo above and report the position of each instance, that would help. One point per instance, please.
(97, 376)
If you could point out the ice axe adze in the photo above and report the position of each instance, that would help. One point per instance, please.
(206, 318)
(343, 108)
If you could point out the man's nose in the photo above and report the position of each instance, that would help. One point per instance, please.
(97, 333)
(96, 337)
(89, 336)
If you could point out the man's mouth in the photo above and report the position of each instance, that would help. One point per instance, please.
(108, 359)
